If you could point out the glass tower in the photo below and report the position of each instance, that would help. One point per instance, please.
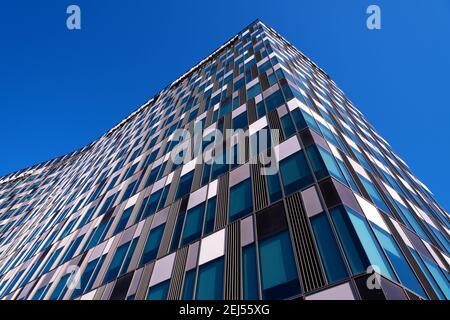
(340, 217)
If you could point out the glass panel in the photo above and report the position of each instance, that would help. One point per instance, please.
(359, 243)
(188, 287)
(250, 278)
(210, 280)
(193, 225)
(328, 248)
(374, 195)
(116, 263)
(274, 186)
(278, 270)
(152, 245)
(61, 288)
(123, 220)
(159, 292)
(398, 261)
(185, 185)
(241, 202)
(210, 216)
(295, 173)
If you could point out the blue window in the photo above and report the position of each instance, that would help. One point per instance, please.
(298, 119)
(61, 288)
(159, 291)
(274, 186)
(260, 109)
(152, 203)
(116, 263)
(41, 292)
(50, 261)
(210, 280)
(72, 249)
(185, 184)
(84, 278)
(295, 173)
(193, 225)
(324, 164)
(152, 245)
(331, 165)
(374, 195)
(288, 125)
(123, 220)
(274, 100)
(220, 165)
(177, 231)
(188, 286)
(210, 215)
(329, 251)
(439, 276)
(278, 270)
(249, 276)
(164, 194)
(253, 91)
(129, 191)
(241, 202)
(398, 261)
(152, 177)
(240, 122)
(360, 245)
(128, 257)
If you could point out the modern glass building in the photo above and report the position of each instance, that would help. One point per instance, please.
(341, 217)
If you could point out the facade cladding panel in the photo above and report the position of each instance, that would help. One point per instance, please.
(120, 219)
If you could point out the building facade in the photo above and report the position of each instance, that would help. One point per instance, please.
(340, 217)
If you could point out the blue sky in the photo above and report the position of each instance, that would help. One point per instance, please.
(61, 89)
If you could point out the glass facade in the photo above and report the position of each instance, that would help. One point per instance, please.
(120, 219)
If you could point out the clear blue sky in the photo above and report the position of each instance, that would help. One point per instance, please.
(61, 89)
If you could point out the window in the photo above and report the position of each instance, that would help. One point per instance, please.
(278, 270)
(210, 215)
(123, 220)
(241, 202)
(398, 261)
(152, 245)
(249, 276)
(159, 291)
(323, 164)
(152, 203)
(188, 286)
(253, 91)
(374, 195)
(360, 245)
(295, 173)
(84, 279)
(274, 186)
(329, 251)
(129, 191)
(274, 100)
(210, 280)
(298, 119)
(152, 177)
(61, 288)
(177, 231)
(240, 122)
(288, 125)
(116, 263)
(185, 184)
(128, 257)
(193, 225)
